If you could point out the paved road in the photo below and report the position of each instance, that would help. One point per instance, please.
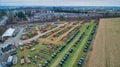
(19, 34)
(17, 38)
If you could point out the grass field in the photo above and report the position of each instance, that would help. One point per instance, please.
(106, 52)
(39, 47)
(46, 53)
(55, 62)
(72, 60)
(78, 52)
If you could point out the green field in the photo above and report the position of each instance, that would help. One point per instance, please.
(60, 56)
(43, 51)
(77, 51)
(38, 47)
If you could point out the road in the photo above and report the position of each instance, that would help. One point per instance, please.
(39, 34)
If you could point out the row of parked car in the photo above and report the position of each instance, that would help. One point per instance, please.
(73, 36)
(60, 49)
(53, 56)
(81, 60)
(65, 57)
(70, 51)
(80, 37)
(7, 48)
(90, 39)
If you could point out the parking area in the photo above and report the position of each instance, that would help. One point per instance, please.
(35, 50)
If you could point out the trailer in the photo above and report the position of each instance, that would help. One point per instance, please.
(15, 59)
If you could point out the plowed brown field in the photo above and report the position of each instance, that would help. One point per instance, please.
(106, 46)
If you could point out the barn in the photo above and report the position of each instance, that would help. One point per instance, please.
(8, 33)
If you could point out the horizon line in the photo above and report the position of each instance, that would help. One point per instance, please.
(58, 6)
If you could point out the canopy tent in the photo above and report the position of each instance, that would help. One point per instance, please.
(8, 32)
(21, 44)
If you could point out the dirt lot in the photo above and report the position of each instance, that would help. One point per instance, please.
(106, 46)
(60, 37)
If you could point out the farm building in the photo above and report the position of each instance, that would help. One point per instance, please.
(8, 33)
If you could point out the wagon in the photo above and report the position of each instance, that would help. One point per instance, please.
(27, 60)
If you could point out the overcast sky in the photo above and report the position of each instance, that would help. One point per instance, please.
(59, 2)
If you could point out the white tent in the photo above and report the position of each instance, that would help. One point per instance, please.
(21, 44)
(8, 32)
